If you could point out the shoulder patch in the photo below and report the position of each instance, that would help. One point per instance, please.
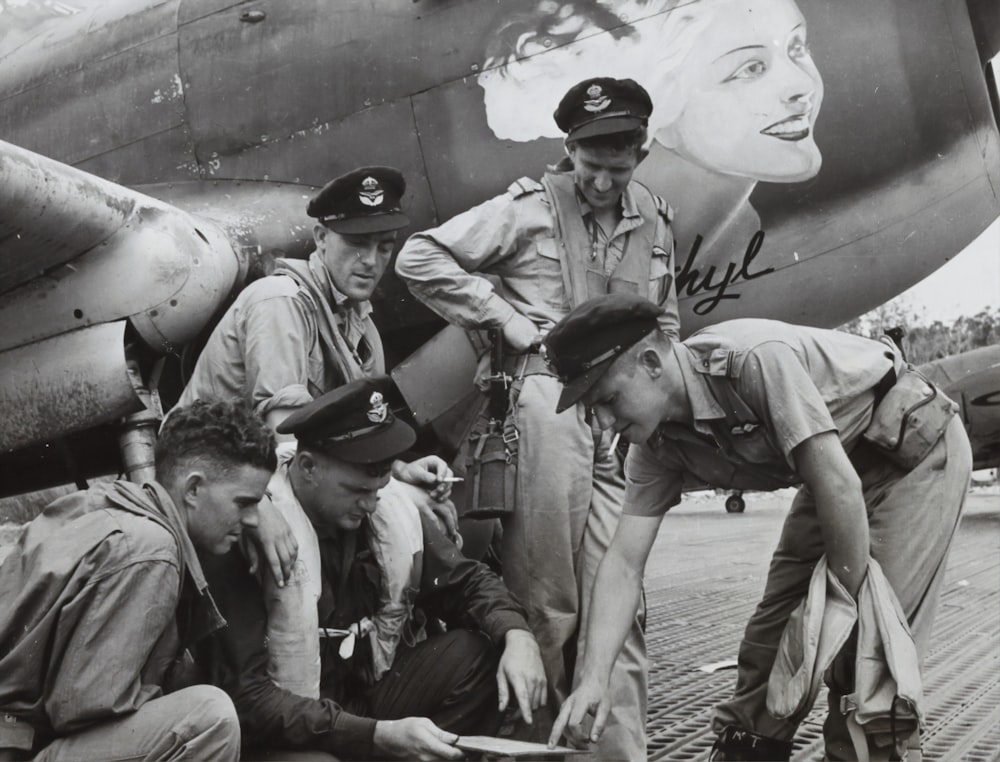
(524, 186)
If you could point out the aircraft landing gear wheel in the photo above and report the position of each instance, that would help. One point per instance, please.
(735, 504)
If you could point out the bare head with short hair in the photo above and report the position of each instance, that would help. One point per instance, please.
(215, 459)
(221, 434)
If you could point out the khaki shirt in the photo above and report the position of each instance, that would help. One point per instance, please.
(512, 237)
(792, 382)
(267, 348)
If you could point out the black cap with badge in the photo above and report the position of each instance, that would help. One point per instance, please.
(603, 106)
(365, 200)
(582, 346)
(353, 423)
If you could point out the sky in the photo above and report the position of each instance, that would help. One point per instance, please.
(969, 283)
(966, 285)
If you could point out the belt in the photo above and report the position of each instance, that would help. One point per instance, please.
(884, 385)
(531, 364)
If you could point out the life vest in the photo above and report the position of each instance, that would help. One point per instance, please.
(337, 354)
(396, 541)
(583, 281)
(395, 538)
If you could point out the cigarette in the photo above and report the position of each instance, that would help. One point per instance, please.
(451, 479)
(614, 441)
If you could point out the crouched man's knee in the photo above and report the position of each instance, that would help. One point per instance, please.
(210, 728)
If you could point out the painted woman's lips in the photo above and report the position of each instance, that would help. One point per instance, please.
(793, 128)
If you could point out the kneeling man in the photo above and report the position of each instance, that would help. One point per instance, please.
(356, 662)
(104, 592)
(883, 464)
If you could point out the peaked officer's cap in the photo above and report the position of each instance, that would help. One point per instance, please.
(582, 346)
(365, 200)
(353, 423)
(603, 106)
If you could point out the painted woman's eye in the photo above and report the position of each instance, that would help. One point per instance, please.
(749, 70)
(799, 49)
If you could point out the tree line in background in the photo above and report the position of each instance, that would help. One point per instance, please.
(926, 340)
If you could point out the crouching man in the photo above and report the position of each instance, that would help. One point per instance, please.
(348, 657)
(104, 592)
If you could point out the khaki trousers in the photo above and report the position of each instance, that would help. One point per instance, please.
(569, 497)
(197, 723)
(912, 517)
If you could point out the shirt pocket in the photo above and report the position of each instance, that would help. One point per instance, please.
(661, 273)
(546, 285)
(751, 443)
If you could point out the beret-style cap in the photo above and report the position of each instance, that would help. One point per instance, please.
(582, 346)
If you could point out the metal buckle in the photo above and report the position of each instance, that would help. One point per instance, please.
(500, 377)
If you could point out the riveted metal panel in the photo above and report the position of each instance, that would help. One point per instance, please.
(454, 133)
(312, 62)
(379, 135)
(164, 157)
(84, 116)
(53, 49)
(268, 217)
(192, 10)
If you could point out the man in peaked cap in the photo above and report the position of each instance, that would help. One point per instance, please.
(352, 666)
(307, 328)
(586, 229)
(883, 463)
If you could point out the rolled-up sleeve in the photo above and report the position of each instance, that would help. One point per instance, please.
(437, 265)
(652, 487)
(778, 388)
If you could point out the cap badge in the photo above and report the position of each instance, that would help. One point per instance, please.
(596, 101)
(371, 194)
(379, 408)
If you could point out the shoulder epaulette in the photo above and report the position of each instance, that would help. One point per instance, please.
(523, 187)
(664, 209)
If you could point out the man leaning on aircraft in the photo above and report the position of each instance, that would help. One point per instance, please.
(883, 463)
(104, 593)
(307, 329)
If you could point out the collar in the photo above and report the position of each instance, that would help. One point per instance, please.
(630, 211)
(342, 305)
(704, 406)
(205, 616)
